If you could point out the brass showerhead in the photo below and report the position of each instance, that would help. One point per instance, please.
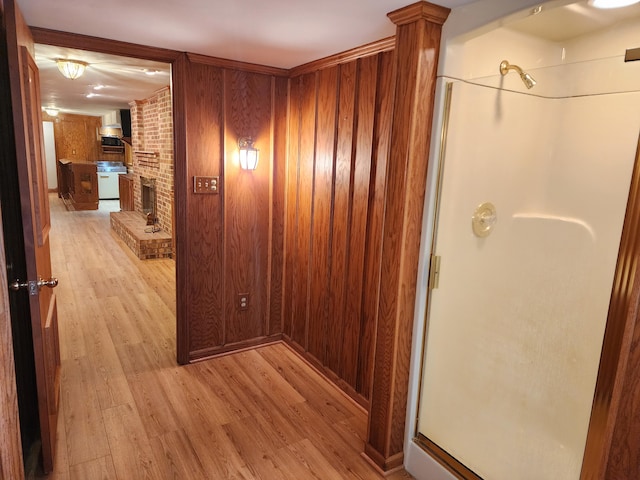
(527, 79)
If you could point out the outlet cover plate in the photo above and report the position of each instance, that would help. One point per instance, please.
(243, 301)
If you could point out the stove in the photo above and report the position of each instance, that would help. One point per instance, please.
(104, 166)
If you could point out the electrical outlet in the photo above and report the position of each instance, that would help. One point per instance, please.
(205, 184)
(243, 301)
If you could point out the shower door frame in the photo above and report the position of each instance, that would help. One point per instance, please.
(616, 382)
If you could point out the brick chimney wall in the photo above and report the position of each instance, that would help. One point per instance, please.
(152, 144)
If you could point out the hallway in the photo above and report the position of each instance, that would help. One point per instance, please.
(129, 411)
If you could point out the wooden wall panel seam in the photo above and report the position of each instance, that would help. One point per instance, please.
(354, 151)
(267, 309)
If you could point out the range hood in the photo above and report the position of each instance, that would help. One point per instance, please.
(111, 130)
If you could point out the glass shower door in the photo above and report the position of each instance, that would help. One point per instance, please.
(531, 208)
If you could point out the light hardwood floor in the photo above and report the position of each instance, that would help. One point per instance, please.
(128, 411)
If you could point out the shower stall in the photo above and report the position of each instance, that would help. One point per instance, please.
(531, 195)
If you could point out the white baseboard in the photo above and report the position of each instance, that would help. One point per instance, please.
(422, 466)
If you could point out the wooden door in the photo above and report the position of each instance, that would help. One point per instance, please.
(32, 184)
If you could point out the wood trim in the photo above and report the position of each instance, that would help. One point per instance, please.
(180, 228)
(382, 464)
(102, 45)
(329, 374)
(419, 11)
(373, 48)
(208, 353)
(416, 61)
(344, 388)
(236, 65)
(614, 425)
(632, 55)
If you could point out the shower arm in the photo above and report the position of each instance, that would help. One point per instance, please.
(528, 80)
(506, 66)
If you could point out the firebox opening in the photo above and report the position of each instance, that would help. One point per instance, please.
(149, 201)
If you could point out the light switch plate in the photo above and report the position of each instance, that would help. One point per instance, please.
(205, 184)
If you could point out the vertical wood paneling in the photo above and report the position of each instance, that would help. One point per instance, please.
(341, 208)
(246, 208)
(366, 94)
(371, 288)
(305, 199)
(278, 178)
(416, 59)
(292, 189)
(204, 296)
(322, 193)
(340, 111)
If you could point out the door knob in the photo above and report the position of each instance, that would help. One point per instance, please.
(34, 287)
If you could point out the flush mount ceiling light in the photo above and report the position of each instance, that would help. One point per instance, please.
(51, 111)
(612, 3)
(71, 69)
(248, 154)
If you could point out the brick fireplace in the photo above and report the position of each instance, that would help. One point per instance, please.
(152, 145)
(152, 169)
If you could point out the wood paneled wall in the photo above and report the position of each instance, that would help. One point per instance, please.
(76, 136)
(230, 243)
(339, 127)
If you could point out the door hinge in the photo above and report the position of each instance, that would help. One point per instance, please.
(434, 271)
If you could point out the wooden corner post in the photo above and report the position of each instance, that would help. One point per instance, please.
(418, 33)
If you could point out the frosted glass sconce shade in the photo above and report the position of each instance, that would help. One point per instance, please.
(248, 154)
(71, 69)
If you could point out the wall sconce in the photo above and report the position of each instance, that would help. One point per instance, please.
(71, 69)
(248, 154)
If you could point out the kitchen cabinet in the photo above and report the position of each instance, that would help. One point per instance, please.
(78, 184)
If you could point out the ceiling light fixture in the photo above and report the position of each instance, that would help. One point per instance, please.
(71, 69)
(612, 3)
(53, 112)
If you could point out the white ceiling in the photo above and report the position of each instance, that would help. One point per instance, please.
(571, 21)
(111, 81)
(278, 33)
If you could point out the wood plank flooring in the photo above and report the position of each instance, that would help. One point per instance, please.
(128, 411)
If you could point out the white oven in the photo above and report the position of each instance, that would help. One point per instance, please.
(108, 187)
(108, 184)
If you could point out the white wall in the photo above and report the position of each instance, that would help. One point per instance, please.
(50, 154)
(550, 144)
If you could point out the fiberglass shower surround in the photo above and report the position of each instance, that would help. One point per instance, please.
(524, 346)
